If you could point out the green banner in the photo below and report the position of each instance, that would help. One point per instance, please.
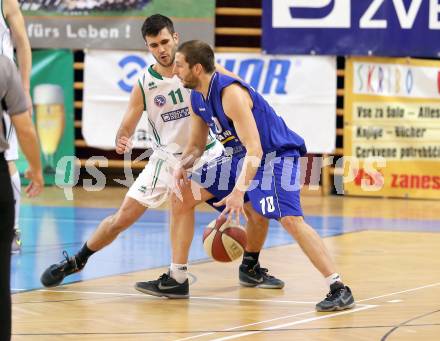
(52, 98)
(112, 24)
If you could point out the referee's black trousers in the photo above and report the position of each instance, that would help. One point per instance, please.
(6, 232)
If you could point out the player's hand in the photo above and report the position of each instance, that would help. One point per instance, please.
(36, 183)
(234, 206)
(123, 145)
(180, 176)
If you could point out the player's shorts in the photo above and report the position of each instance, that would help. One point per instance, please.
(154, 184)
(11, 154)
(275, 189)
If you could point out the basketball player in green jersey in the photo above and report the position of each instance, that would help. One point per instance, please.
(161, 94)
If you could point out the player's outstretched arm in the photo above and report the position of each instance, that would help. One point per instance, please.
(237, 105)
(197, 140)
(130, 120)
(193, 149)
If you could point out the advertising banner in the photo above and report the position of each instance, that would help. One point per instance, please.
(302, 90)
(52, 97)
(109, 77)
(111, 24)
(392, 127)
(348, 27)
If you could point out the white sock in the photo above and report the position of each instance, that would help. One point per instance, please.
(333, 278)
(16, 189)
(179, 272)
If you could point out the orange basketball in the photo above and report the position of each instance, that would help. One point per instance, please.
(224, 241)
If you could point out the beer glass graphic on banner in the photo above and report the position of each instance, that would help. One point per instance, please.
(50, 120)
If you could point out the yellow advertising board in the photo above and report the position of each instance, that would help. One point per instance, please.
(392, 128)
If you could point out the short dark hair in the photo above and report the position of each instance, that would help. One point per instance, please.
(198, 52)
(155, 23)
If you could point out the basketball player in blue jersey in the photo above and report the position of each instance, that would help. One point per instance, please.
(154, 184)
(260, 149)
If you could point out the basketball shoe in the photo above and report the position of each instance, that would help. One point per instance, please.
(164, 286)
(339, 298)
(55, 273)
(256, 276)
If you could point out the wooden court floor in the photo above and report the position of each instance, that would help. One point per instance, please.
(394, 275)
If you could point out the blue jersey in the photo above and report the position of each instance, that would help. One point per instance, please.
(275, 136)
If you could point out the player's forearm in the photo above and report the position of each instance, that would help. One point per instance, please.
(24, 59)
(28, 140)
(30, 147)
(190, 156)
(252, 161)
(124, 131)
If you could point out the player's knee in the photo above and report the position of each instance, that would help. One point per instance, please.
(256, 219)
(293, 224)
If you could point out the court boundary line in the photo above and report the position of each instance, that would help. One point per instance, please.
(245, 325)
(159, 298)
(189, 332)
(405, 323)
(222, 298)
(363, 307)
(400, 292)
(311, 319)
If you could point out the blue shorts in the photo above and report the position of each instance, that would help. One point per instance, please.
(275, 189)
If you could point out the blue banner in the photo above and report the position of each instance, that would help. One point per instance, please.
(352, 27)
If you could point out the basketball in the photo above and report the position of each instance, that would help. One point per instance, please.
(224, 241)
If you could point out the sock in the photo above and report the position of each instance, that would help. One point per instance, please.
(83, 255)
(179, 272)
(333, 278)
(16, 189)
(250, 259)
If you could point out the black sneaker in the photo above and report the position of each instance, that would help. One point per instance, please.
(339, 298)
(55, 273)
(165, 286)
(258, 277)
